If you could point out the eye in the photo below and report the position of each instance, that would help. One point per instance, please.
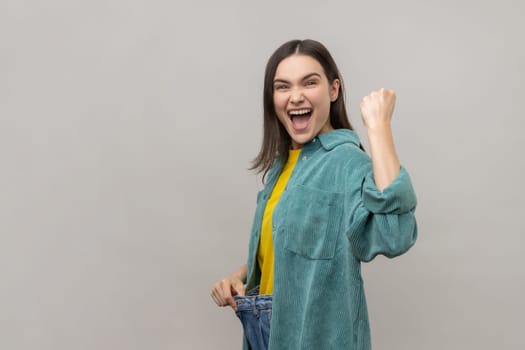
(280, 87)
(310, 83)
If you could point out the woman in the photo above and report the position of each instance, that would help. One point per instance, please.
(326, 207)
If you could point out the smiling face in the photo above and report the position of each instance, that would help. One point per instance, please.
(301, 96)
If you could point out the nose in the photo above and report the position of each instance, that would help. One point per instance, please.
(296, 96)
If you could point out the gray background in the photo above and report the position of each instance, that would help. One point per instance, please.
(127, 127)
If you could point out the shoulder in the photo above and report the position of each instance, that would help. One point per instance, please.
(332, 139)
(348, 160)
(344, 146)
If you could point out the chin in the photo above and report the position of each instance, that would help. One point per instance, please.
(302, 139)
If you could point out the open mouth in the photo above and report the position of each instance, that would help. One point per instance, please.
(300, 118)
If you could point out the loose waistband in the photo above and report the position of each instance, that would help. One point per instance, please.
(253, 300)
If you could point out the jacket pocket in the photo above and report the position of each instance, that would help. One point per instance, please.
(312, 221)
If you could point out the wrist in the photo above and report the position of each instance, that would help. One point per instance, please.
(379, 131)
(236, 277)
(239, 274)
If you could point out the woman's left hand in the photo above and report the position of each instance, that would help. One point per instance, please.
(377, 108)
(376, 111)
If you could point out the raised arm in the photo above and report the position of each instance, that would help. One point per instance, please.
(376, 111)
(382, 217)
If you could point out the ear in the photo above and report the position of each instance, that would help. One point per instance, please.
(334, 90)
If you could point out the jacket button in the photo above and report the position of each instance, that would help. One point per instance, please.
(305, 157)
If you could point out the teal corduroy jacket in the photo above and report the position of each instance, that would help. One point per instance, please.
(329, 219)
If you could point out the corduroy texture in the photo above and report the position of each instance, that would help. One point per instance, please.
(330, 217)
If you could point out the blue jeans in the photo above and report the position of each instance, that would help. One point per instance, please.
(255, 313)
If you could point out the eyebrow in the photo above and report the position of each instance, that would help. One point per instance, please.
(307, 76)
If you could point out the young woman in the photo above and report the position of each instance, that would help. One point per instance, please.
(326, 207)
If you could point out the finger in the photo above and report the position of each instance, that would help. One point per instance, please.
(362, 104)
(229, 300)
(225, 289)
(222, 292)
(242, 290)
(239, 289)
(233, 304)
(217, 297)
(227, 294)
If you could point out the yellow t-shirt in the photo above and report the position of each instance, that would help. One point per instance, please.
(265, 249)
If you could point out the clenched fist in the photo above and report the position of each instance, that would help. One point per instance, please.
(377, 108)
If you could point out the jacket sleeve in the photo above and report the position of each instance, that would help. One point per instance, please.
(381, 222)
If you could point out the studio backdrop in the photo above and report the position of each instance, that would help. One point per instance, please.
(126, 132)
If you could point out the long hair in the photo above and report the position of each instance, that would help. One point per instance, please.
(276, 140)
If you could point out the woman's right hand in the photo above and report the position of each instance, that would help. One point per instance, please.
(224, 290)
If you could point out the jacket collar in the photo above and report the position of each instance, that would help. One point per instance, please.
(330, 140)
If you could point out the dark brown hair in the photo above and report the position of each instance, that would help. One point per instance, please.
(276, 141)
